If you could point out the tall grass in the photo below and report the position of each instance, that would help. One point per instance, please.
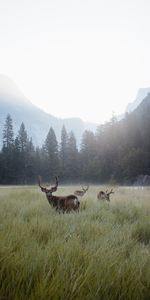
(101, 253)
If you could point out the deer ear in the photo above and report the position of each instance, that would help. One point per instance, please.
(43, 189)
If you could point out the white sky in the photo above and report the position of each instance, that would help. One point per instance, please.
(79, 58)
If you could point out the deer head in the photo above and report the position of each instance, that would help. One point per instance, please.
(48, 191)
(81, 193)
(85, 189)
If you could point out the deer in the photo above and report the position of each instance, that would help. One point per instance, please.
(104, 195)
(81, 193)
(60, 203)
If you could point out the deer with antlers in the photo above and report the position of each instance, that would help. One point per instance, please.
(81, 192)
(104, 195)
(60, 203)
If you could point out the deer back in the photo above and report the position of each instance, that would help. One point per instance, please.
(64, 203)
(104, 195)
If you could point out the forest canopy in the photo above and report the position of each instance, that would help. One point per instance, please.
(117, 152)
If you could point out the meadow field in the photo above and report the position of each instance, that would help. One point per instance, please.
(100, 253)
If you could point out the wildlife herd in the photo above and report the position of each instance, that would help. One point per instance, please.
(69, 202)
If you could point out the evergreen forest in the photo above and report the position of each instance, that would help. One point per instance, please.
(117, 153)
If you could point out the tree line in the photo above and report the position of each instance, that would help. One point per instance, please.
(117, 152)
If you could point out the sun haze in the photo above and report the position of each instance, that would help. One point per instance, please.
(82, 58)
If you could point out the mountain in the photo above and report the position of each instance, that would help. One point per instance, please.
(141, 94)
(37, 122)
(141, 115)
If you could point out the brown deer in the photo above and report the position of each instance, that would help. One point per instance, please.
(104, 195)
(60, 203)
(81, 193)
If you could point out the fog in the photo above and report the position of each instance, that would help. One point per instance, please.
(82, 59)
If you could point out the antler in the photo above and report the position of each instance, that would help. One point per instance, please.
(85, 189)
(54, 188)
(43, 189)
(111, 192)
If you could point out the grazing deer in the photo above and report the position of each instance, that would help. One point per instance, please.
(104, 195)
(81, 193)
(64, 203)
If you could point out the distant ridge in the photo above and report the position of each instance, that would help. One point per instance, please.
(141, 94)
(37, 122)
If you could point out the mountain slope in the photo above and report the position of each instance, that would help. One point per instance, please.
(37, 122)
(141, 94)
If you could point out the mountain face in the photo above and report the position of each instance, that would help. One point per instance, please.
(37, 122)
(142, 116)
(141, 94)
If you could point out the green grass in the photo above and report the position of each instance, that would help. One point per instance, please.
(101, 253)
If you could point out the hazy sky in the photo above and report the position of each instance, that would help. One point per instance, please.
(80, 58)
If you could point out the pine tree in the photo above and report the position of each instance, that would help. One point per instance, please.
(64, 154)
(7, 151)
(1, 167)
(22, 140)
(73, 165)
(39, 163)
(17, 161)
(88, 156)
(30, 162)
(8, 134)
(51, 150)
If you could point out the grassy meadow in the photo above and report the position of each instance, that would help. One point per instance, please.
(100, 253)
